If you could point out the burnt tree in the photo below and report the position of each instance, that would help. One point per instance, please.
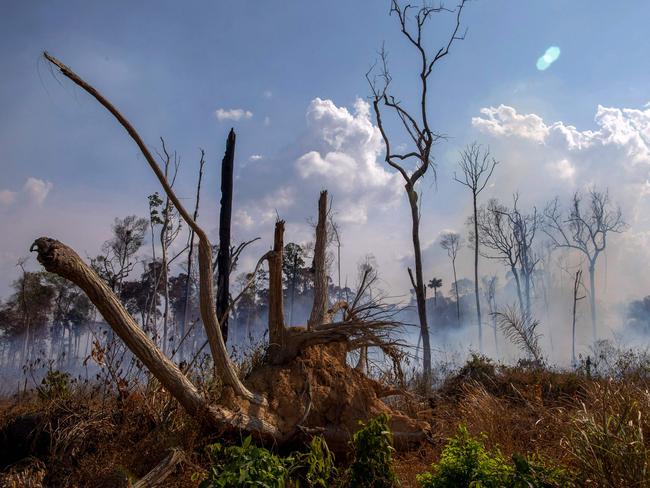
(240, 408)
(225, 219)
(414, 162)
(477, 168)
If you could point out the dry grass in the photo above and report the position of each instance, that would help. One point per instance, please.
(597, 427)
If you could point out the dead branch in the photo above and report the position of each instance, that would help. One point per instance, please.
(60, 259)
(207, 305)
(162, 471)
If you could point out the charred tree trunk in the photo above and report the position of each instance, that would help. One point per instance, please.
(225, 217)
(320, 269)
(277, 330)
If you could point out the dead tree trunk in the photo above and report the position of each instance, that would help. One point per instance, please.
(225, 215)
(208, 313)
(418, 284)
(277, 330)
(320, 269)
(577, 283)
(188, 281)
(58, 258)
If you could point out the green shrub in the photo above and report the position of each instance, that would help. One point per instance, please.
(372, 463)
(244, 466)
(535, 472)
(55, 384)
(315, 468)
(466, 463)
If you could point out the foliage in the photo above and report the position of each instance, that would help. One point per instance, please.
(465, 462)
(372, 463)
(249, 465)
(317, 464)
(55, 384)
(30, 305)
(521, 329)
(245, 465)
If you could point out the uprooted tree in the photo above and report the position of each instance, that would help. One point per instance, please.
(305, 366)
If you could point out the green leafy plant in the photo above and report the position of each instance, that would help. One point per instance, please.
(244, 466)
(316, 465)
(466, 463)
(372, 463)
(55, 384)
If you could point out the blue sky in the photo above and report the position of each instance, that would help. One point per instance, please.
(297, 67)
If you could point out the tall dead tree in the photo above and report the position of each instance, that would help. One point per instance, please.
(225, 218)
(450, 242)
(477, 167)
(320, 266)
(585, 229)
(577, 283)
(242, 410)
(277, 329)
(416, 124)
(190, 254)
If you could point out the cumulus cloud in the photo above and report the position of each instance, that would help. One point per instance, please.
(34, 191)
(339, 151)
(37, 190)
(543, 159)
(233, 114)
(255, 157)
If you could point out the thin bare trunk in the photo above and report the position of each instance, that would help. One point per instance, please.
(476, 294)
(576, 286)
(188, 281)
(418, 285)
(592, 298)
(453, 265)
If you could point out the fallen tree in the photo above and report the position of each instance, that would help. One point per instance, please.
(302, 362)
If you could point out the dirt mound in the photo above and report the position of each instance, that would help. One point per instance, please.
(317, 390)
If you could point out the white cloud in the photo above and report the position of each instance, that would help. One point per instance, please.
(255, 157)
(542, 159)
(37, 190)
(233, 114)
(340, 152)
(563, 169)
(268, 94)
(345, 158)
(242, 219)
(34, 191)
